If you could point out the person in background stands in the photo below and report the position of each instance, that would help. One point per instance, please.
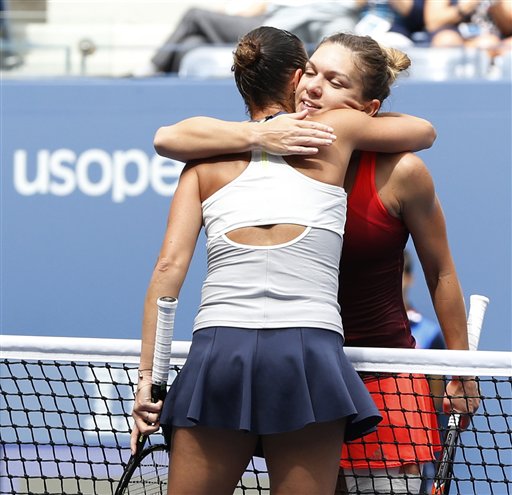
(203, 26)
(396, 23)
(199, 26)
(484, 24)
(9, 58)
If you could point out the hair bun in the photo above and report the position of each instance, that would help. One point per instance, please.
(397, 60)
(247, 54)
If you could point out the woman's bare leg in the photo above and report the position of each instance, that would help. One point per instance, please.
(206, 460)
(305, 462)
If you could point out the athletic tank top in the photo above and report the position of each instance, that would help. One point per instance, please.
(293, 284)
(370, 288)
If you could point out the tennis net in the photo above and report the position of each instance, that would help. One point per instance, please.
(66, 403)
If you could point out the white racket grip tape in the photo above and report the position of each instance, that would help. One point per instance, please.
(477, 306)
(164, 333)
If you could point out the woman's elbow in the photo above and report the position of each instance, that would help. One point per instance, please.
(158, 140)
(431, 136)
(428, 136)
(163, 137)
(168, 271)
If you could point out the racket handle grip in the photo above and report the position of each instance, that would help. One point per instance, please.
(477, 307)
(163, 338)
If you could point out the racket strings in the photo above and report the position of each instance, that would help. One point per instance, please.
(150, 477)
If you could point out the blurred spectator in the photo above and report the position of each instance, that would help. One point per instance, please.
(395, 23)
(501, 13)
(311, 21)
(9, 59)
(485, 24)
(203, 26)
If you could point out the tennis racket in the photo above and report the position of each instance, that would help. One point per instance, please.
(444, 471)
(146, 471)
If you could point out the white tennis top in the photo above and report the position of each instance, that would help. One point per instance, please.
(287, 285)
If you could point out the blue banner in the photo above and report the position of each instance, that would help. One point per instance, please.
(85, 198)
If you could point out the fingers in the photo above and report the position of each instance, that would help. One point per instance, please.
(457, 405)
(154, 407)
(151, 418)
(141, 428)
(287, 136)
(146, 422)
(298, 115)
(317, 126)
(307, 141)
(146, 415)
(462, 397)
(300, 123)
(302, 150)
(134, 438)
(464, 421)
(315, 135)
(464, 417)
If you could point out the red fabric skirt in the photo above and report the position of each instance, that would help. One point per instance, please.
(408, 432)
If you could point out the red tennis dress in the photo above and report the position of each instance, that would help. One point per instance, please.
(374, 315)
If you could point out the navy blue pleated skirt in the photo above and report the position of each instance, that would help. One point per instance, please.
(268, 381)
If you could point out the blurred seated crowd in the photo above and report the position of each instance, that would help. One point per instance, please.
(9, 58)
(480, 24)
(484, 24)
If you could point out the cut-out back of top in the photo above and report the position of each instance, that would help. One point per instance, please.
(274, 245)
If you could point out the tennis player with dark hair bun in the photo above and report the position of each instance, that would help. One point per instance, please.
(266, 364)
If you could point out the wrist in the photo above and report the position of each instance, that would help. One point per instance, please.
(255, 136)
(144, 373)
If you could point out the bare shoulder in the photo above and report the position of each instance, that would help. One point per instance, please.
(411, 178)
(214, 173)
(410, 168)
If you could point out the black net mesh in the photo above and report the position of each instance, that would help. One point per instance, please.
(66, 429)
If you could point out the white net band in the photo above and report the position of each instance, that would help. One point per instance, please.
(428, 361)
